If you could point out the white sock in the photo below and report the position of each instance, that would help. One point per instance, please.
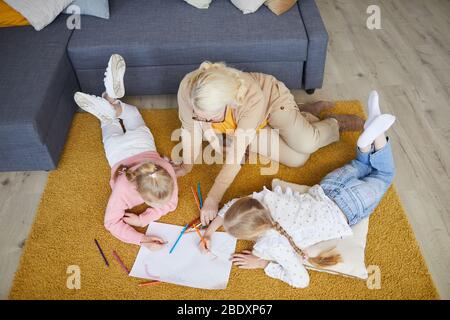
(373, 108)
(378, 126)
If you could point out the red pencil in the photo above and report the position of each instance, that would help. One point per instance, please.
(116, 256)
(147, 284)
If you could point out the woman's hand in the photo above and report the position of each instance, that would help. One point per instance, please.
(179, 169)
(246, 260)
(153, 243)
(208, 211)
(132, 220)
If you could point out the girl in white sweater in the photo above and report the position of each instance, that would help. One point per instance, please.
(284, 224)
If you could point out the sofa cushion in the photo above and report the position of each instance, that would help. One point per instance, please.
(161, 32)
(34, 75)
(166, 79)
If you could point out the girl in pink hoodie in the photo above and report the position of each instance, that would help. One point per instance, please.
(138, 173)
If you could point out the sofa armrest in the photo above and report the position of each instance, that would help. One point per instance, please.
(317, 44)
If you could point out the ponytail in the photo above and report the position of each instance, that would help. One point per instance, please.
(324, 259)
(122, 169)
(153, 182)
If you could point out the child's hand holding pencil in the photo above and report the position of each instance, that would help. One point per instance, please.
(153, 243)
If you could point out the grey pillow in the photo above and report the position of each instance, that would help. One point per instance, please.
(96, 8)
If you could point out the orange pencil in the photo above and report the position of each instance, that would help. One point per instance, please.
(147, 284)
(196, 198)
(195, 221)
(200, 235)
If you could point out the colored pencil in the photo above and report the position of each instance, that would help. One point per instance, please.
(192, 228)
(147, 284)
(200, 235)
(196, 198)
(116, 256)
(194, 225)
(101, 252)
(179, 237)
(196, 220)
(199, 193)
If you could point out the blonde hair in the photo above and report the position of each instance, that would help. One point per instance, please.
(153, 182)
(248, 218)
(214, 86)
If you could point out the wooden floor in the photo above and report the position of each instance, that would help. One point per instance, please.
(408, 62)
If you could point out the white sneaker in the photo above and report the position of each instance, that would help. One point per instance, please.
(378, 126)
(96, 106)
(114, 77)
(373, 108)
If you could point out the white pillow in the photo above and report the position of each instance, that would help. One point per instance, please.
(200, 4)
(248, 6)
(39, 13)
(351, 248)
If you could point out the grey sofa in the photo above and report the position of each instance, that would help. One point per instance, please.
(37, 83)
(161, 40)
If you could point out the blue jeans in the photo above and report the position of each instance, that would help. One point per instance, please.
(359, 186)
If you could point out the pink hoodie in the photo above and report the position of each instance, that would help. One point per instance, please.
(125, 196)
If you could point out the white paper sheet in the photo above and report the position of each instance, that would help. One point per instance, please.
(186, 265)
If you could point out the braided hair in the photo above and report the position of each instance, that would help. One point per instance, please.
(248, 218)
(324, 259)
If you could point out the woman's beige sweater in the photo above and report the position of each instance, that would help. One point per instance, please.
(261, 94)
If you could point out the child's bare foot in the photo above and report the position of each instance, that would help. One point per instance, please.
(316, 108)
(348, 122)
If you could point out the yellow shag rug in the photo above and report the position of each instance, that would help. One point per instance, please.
(70, 216)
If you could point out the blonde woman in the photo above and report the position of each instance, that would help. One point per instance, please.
(216, 99)
(284, 223)
(138, 173)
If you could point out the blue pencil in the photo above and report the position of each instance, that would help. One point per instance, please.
(200, 198)
(179, 237)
